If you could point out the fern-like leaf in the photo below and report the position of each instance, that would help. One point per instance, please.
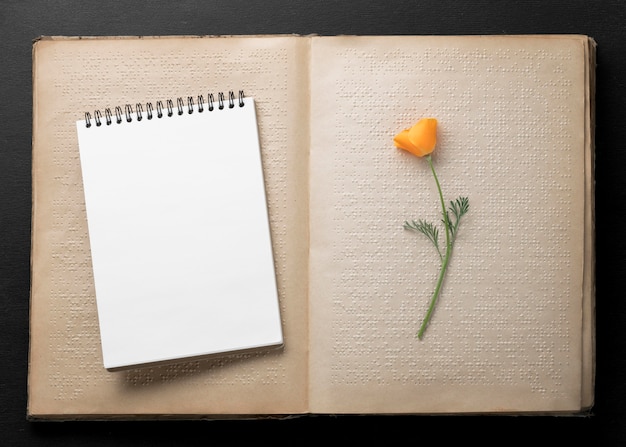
(458, 208)
(427, 229)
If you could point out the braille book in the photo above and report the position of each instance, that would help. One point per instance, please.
(513, 329)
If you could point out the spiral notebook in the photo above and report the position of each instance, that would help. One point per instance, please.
(178, 228)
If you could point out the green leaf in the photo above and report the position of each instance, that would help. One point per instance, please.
(458, 209)
(427, 229)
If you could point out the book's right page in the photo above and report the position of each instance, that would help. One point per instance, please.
(506, 334)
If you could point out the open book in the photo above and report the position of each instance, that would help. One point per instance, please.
(513, 331)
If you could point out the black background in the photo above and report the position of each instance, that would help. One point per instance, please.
(23, 21)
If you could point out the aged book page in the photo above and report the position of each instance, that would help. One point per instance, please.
(71, 76)
(514, 130)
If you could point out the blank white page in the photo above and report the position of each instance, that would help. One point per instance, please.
(179, 232)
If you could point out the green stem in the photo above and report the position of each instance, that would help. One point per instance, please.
(446, 259)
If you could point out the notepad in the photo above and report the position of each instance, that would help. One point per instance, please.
(179, 230)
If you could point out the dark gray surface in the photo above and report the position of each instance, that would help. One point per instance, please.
(23, 21)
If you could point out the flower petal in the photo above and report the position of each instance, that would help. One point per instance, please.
(423, 136)
(402, 140)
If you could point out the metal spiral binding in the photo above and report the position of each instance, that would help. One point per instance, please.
(168, 109)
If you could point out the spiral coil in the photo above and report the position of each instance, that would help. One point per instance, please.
(160, 109)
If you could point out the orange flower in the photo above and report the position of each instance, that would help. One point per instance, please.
(420, 139)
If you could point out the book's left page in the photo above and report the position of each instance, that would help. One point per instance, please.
(67, 378)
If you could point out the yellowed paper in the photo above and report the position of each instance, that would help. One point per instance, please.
(72, 76)
(506, 333)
